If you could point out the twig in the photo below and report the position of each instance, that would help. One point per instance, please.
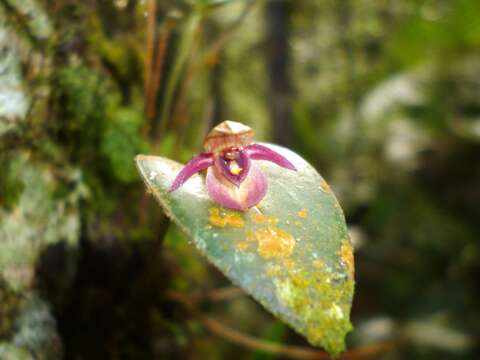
(151, 27)
(156, 77)
(190, 301)
(222, 294)
(293, 352)
(249, 342)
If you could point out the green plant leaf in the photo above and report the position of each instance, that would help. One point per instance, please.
(292, 252)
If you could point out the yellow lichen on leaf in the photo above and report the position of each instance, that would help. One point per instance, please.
(235, 220)
(346, 254)
(215, 218)
(303, 213)
(258, 218)
(327, 317)
(243, 245)
(221, 218)
(274, 242)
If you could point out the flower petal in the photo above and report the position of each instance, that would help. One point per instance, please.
(242, 161)
(198, 163)
(248, 194)
(260, 152)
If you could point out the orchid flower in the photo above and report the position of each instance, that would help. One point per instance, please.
(233, 180)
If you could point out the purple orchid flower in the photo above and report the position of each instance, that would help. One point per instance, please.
(233, 180)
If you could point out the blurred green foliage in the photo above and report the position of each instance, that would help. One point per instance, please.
(381, 96)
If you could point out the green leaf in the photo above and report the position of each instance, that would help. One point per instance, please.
(292, 252)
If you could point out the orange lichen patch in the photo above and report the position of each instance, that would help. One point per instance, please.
(324, 186)
(258, 218)
(303, 213)
(274, 242)
(346, 254)
(222, 218)
(243, 245)
(235, 220)
(216, 219)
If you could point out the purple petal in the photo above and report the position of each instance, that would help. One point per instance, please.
(198, 163)
(242, 160)
(248, 194)
(260, 152)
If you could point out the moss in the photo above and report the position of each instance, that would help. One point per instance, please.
(11, 187)
(11, 304)
(121, 141)
(12, 352)
(78, 92)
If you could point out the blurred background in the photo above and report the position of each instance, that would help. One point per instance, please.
(381, 96)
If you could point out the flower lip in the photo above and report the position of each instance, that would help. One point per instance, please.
(234, 164)
(249, 194)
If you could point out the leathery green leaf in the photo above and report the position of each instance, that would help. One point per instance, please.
(291, 252)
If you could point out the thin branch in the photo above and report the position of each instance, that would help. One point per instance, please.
(249, 342)
(151, 27)
(222, 294)
(292, 352)
(157, 67)
(191, 301)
